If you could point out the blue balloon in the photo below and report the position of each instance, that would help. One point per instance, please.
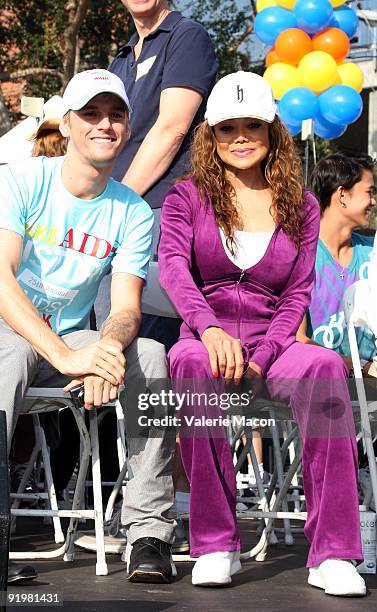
(313, 16)
(298, 104)
(340, 104)
(293, 129)
(346, 19)
(286, 119)
(271, 21)
(325, 129)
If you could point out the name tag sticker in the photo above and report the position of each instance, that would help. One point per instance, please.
(144, 67)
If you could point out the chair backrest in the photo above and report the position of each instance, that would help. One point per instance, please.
(154, 300)
(355, 301)
(360, 299)
(372, 282)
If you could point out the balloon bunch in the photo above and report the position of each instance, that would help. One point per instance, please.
(306, 66)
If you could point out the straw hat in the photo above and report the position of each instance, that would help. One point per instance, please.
(53, 111)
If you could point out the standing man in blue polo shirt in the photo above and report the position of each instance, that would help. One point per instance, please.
(168, 68)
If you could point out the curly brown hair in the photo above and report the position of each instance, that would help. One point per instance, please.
(49, 142)
(282, 170)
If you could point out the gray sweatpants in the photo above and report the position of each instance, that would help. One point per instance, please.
(149, 493)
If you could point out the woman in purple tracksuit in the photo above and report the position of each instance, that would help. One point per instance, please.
(236, 257)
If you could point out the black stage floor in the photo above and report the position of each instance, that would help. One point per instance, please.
(274, 585)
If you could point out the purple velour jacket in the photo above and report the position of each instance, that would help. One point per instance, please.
(264, 305)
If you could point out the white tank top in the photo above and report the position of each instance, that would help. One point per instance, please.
(251, 246)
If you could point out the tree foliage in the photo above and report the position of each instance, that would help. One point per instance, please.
(230, 25)
(107, 27)
(44, 42)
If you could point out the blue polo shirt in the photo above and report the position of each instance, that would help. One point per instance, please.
(179, 53)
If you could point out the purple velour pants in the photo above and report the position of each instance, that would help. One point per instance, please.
(313, 379)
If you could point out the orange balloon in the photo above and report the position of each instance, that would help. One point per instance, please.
(271, 58)
(292, 44)
(333, 41)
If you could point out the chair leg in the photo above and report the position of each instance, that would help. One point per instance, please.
(122, 460)
(21, 488)
(263, 502)
(364, 413)
(280, 476)
(41, 442)
(275, 501)
(278, 501)
(85, 452)
(260, 550)
(115, 491)
(291, 450)
(4, 512)
(121, 438)
(101, 566)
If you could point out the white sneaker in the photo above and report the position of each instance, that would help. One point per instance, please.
(242, 481)
(337, 577)
(265, 476)
(216, 568)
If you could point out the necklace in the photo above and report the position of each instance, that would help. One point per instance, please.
(338, 265)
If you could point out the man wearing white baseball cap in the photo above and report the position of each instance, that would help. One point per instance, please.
(86, 85)
(64, 223)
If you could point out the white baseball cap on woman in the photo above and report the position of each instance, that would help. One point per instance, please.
(241, 94)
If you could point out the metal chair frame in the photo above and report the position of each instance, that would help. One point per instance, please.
(272, 501)
(355, 299)
(41, 400)
(4, 512)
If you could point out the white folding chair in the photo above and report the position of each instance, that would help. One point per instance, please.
(42, 400)
(271, 502)
(360, 310)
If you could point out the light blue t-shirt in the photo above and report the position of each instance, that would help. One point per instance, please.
(326, 314)
(69, 244)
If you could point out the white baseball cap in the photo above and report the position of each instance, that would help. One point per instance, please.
(85, 85)
(241, 94)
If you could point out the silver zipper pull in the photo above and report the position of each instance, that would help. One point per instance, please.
(241, 276)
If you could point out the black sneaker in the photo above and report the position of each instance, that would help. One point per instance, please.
(18, 573)
(149, 560)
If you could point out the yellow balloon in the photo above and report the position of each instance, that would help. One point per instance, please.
(318, 71)
(287, 4)
(336, 3)
(281, 77)
(351, 75)
(262, 4)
